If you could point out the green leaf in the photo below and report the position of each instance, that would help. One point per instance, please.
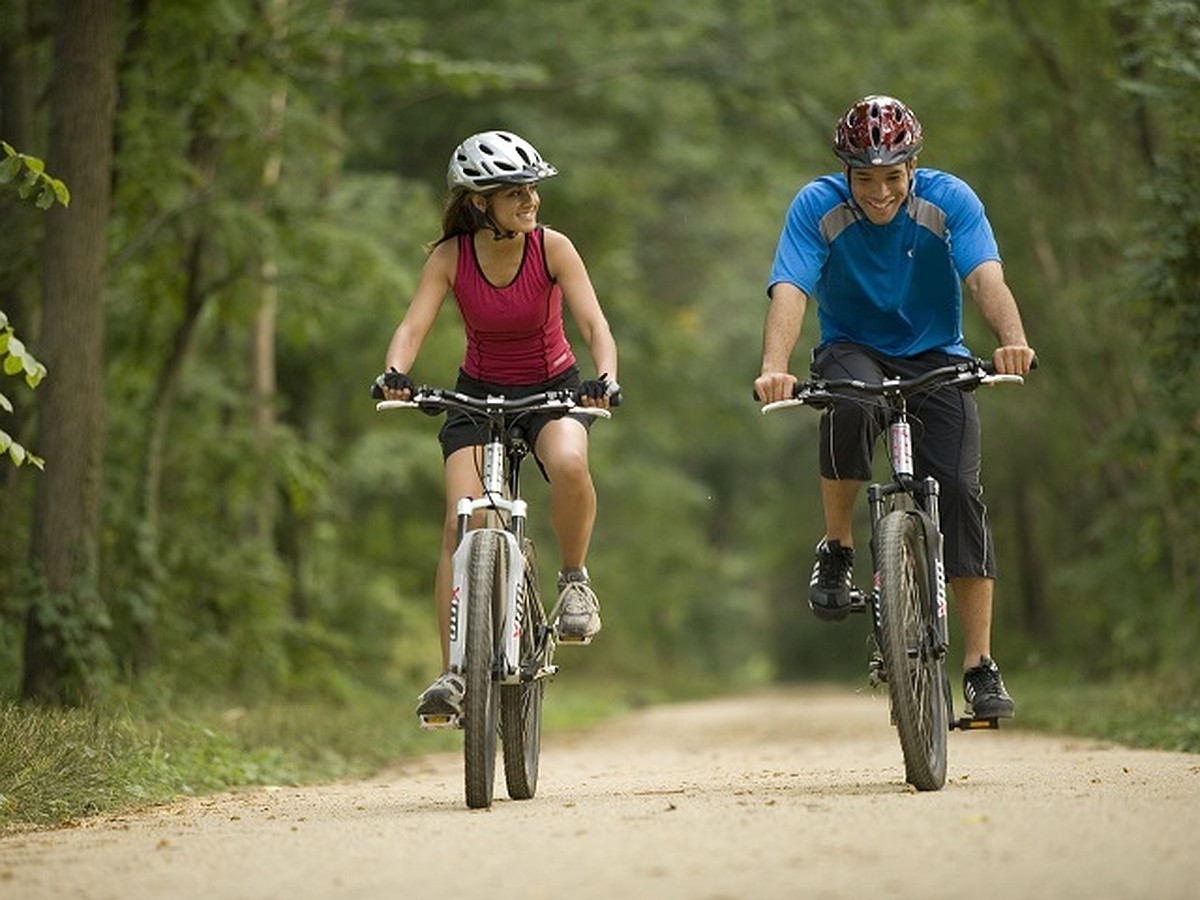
(33, 368)
(45, 198)
(9, 169)
(13, 365)
(5, 441)
(5, 404)
(17, 453)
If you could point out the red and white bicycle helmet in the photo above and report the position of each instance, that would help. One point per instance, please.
(877, 131)
(490, 158)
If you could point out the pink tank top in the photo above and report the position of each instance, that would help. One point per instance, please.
(514, 333)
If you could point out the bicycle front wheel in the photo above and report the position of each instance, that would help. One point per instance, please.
(521, 704)
(916, 671)
(486, 567)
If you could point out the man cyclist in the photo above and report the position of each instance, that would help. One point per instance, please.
(883, 248)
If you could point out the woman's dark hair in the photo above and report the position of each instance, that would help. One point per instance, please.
(460, 216)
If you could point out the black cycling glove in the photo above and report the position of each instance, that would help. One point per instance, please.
(396, 381)
(601, 387)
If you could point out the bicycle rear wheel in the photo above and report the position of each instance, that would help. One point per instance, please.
(916, 672)
(486, 566)
(521, 704)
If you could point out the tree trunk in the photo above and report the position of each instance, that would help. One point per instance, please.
(64, 629)
(262, 343)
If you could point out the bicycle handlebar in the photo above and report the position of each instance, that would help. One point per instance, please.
(435, 400)
(966, 374)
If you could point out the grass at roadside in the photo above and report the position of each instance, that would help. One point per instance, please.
(1140, 711)
(59, 765)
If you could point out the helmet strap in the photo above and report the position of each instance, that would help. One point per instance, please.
(485, 219)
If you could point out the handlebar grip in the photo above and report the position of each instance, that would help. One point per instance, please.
(989, 367)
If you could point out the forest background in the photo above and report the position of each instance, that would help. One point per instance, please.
(224, 520)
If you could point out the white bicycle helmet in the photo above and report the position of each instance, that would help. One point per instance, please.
(490, 158)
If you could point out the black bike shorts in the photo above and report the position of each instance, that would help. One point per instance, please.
(461, 429)
(946, 444)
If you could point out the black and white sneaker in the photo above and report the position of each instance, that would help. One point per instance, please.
(832, 578)
(983, 690)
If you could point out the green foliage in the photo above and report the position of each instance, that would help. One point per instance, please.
(296, 559)
(16, 360)
(73, 624)
(28, 176)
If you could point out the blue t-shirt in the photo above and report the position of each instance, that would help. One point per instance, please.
(895, 287)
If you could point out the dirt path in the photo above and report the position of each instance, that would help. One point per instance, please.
(785, 794)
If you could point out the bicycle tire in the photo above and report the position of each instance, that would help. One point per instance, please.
(521, 704)
(480, 719)
(916, 674)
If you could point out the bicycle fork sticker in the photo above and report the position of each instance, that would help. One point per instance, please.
(454, 607)
(940, 584)
(460, 601)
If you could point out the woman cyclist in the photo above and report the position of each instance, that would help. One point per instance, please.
(510, 277)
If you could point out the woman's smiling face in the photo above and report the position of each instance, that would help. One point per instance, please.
(515, 207)
(880, 191)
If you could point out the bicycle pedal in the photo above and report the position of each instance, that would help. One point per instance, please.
(577, 640)
(968, 724)
(439, 721)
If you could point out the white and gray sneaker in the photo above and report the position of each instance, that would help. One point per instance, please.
(578, 609)
(440, 704)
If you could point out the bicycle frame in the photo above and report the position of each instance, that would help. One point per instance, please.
(501, 494)
(501, 642)
(924, 495)
(501, 499)
(907, 598)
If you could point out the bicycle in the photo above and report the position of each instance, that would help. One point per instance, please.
(502, 641)
(907, 600)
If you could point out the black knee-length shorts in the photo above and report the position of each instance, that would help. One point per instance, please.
(946, 445)
(461, 429)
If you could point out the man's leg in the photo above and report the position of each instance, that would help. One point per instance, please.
(847, 435)
(838, 498)
(973, 597)
(983, 687)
